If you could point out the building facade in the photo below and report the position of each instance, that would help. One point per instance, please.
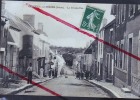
(123, 32)
(108, 54)
(127, 38)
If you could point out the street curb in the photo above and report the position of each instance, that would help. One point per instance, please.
(26, 87)
(111, 93)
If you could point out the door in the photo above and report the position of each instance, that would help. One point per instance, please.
(129, 61)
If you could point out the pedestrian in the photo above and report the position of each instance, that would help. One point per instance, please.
(53, 73)
(50, 72)
(87, 75)
(66, 74)
(55, 67)
(56, 71)
(41, 72)
(82, 75)
(76, 75)
(62, 71)
(29, 73)
(79, 75)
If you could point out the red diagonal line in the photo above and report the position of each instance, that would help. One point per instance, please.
(34, 83)
(84, 32)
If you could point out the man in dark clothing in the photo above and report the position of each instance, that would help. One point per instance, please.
(53, 73)
(29, 71)
(87, 75)
(50, 73)
(82, 75)
(79, 75)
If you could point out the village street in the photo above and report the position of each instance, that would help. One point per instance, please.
(70, 49)
(67, 87)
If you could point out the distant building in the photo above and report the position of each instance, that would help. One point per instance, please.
(88, 59)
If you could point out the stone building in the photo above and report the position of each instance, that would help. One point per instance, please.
(108, 54)
(44, 45)
(127, 38)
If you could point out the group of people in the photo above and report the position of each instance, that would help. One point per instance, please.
(83, 75)
(52, 73)
(53, 70)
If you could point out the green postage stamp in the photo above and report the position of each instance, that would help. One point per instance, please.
(92, 19)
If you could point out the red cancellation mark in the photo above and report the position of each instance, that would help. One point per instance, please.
(33, 83)
(83, 32)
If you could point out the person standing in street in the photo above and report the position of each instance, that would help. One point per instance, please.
(29, 73)
(50, 72)
(82, 75)
(86, 75)
(55, 67)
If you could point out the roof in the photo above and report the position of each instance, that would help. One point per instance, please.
(110, 23)
(19, 23)
(9, 38)
(13, 25)
(88, 50)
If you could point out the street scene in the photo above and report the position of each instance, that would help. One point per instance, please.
(70, 49)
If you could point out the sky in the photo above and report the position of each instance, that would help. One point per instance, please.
(59, 34)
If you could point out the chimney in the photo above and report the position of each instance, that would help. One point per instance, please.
(3, 8)
(40, 26)
(29, 18)
(104, 22)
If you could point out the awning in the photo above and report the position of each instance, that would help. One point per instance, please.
(12, 43)
(2, 49)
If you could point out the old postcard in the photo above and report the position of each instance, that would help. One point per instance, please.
(69, 49)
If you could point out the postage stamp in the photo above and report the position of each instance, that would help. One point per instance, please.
(92, 19)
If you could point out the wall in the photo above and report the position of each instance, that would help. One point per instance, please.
(135, 69)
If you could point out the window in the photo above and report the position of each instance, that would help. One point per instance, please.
(115, 57)
(124, 7)
(101, 48)
(123, 12)
(124, 55)
(118, 56)
(121, 56)
(111, 34)
(139, 53)
(119, 14)
(131, 10)
(138, 7)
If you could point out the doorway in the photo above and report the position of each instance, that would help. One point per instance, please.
(129, 61)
